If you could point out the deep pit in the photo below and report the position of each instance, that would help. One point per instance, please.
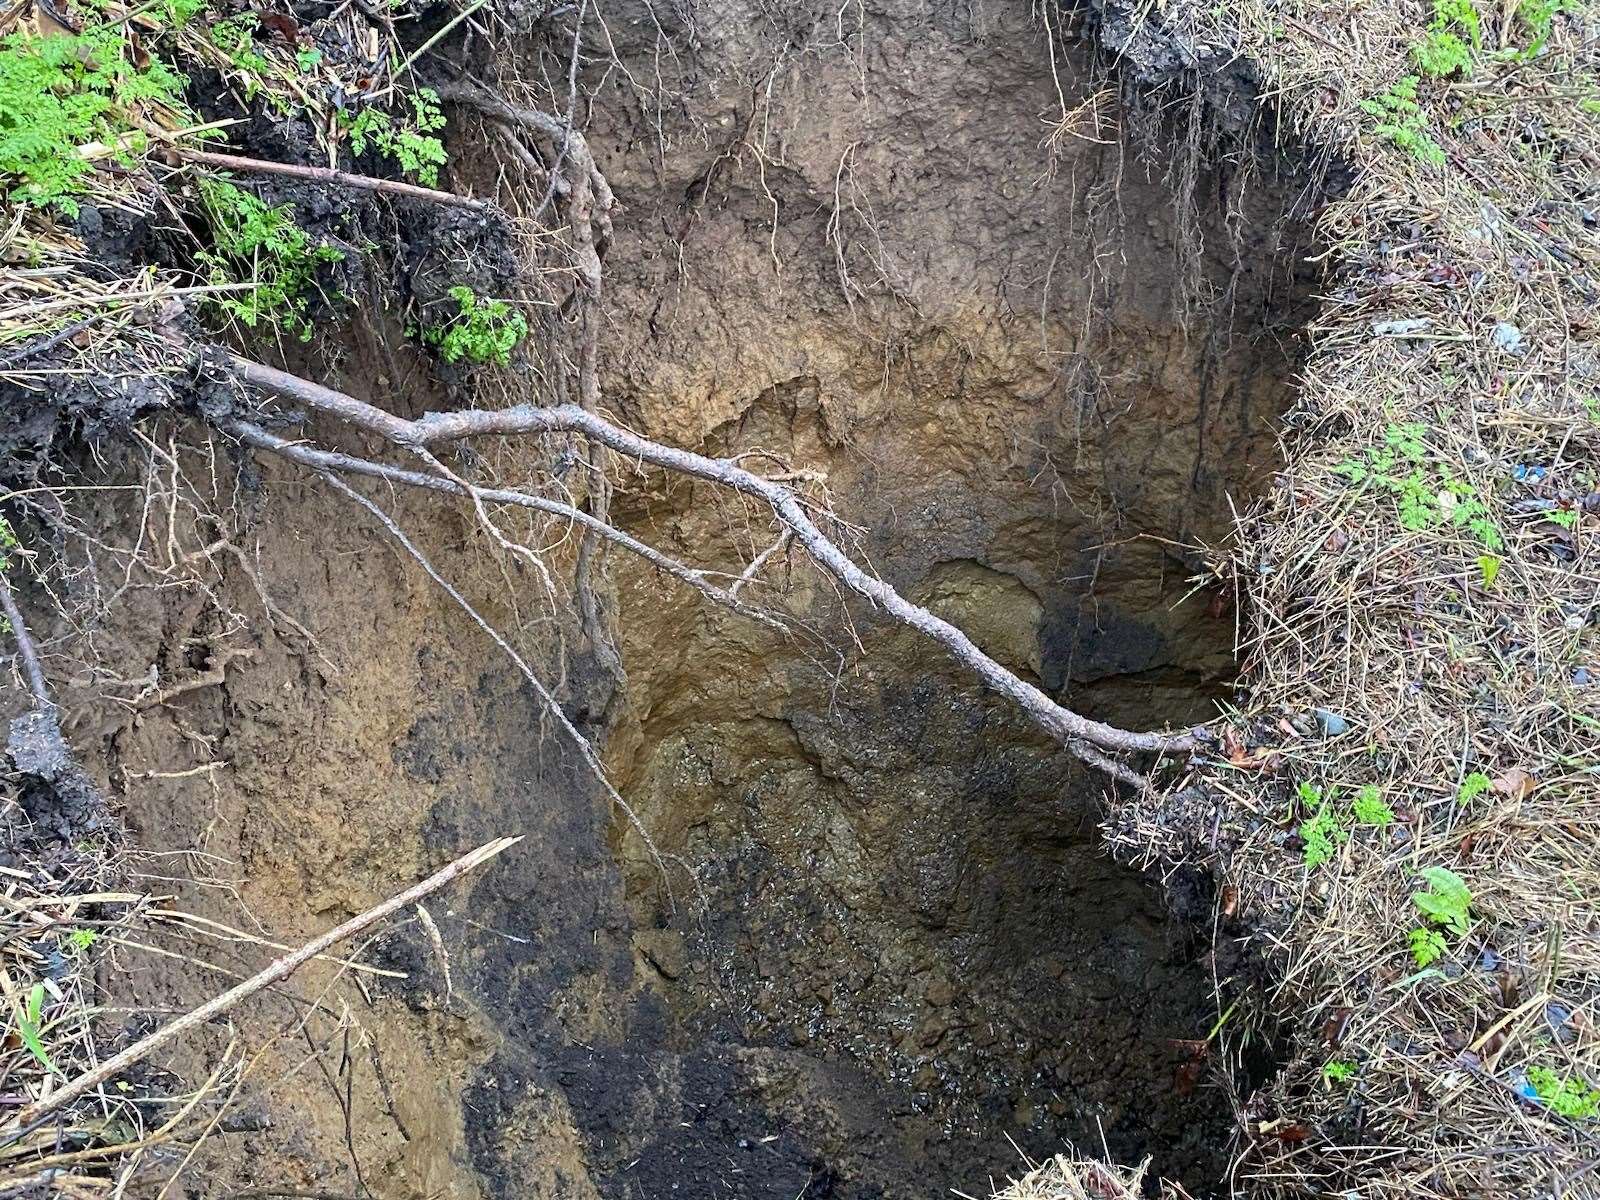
(1035, 321)
(904, 919)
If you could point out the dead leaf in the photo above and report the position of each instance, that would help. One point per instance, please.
(1230, 900)
(136, 50)
(1516, 784)
(1510, 988)
(1187, 1077)
(1333, 1029)
(281, 24)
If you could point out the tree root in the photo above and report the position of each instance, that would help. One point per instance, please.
(1086, 738)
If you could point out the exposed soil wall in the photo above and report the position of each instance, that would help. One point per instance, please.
(1032, 369)
(1059, 367)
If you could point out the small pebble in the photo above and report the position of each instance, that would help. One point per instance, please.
(1331, 723)
(1507, 337)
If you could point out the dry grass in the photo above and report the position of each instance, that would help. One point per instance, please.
(1064, 1178)
(1426, 571)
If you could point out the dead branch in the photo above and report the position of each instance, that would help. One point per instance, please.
(279, 970)
(328, 175)
(434, 428)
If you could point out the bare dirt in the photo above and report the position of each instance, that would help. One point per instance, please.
(887, 950)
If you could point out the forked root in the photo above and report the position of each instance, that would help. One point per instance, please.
(1087, 739)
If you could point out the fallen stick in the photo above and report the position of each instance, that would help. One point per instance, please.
(278, 971)
(329, 175)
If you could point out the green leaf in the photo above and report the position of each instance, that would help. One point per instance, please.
(1447, 902)
(1369, 808)
(1321, 834)
(482, 330)
(59, 92)
(1427, 946)
(1473, 786)
(31, 1028)
(1565, 1095)
(252, 242)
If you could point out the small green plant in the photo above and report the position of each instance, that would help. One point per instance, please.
(1427, 946)
(9, 543)
(1442, 51)
(1539, 16)
(254, 243)
(1369, 808)
(1426, 494)
(481, 331)
(58, 93)
(1473, 786)
(81, 939)
(407, 141)
(1337, 1072)
(30, 1027)
(1321, 831)
(1564, 1095)
(1462, 508)
(236, 38)
(1400, 120)
(1447, 902)
(179, 13)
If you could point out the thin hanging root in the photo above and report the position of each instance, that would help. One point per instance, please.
(347, 464)
(586, 748)
(1074, 731)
